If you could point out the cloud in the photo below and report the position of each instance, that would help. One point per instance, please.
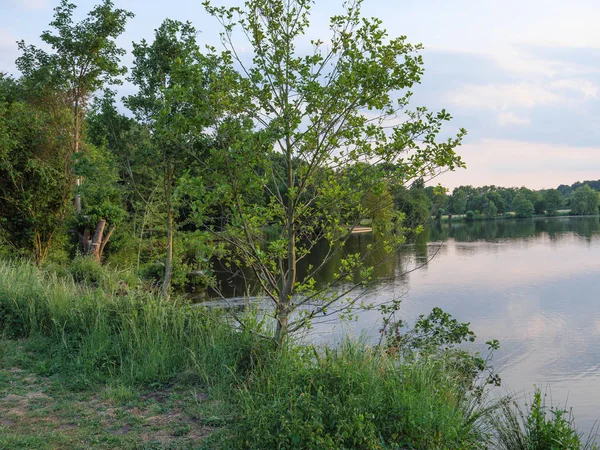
(500, 97)
(584, 87)
(507, 118)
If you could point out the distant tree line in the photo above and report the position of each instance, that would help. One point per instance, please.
(581, 198)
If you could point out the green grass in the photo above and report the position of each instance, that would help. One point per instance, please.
(48, 412)
(136, 338)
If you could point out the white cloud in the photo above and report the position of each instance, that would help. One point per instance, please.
(500, 97)
(507, 118)
(584, 87)
(526, 65)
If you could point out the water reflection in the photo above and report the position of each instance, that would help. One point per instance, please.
(532, 284)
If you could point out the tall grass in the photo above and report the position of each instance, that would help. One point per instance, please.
(137, 338)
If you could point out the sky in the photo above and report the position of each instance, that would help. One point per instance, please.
(523, 77)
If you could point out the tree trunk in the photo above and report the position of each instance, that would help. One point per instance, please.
(282, 329)
(97, 240)
(169, 257)
(95, 246)
(285, 299)
(105, 241)
(41, 248)
(75, 151)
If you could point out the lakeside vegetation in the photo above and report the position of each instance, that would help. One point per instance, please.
(84, 366)
(249, 166)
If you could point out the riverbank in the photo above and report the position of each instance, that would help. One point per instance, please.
(92, 366)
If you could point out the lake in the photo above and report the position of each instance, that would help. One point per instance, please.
(532, 284)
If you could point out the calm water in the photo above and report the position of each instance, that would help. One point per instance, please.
(532, 284)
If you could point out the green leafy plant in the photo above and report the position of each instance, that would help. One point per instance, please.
(541, 427)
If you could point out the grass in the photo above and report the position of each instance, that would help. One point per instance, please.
(47, 412)
(93, 365)
(136, 338)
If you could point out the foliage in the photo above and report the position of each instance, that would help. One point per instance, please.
(553, 200)
(35, 183)
(458, 201)
(354, 397)
(540, 428)
(378, 201)
(438, 335)
(323, 119)
(523, 208)
(54, 90)
(490, 210)
(413, 203)
(469, 216)
(179, 96)
(584, 201)
(85, 57)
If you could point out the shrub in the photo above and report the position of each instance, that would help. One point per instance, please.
(540, 428)
(354, 397)
(469, 216)
(85, 269)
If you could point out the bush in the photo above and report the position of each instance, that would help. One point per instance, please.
(354, 398)
(540, 428)
(469, 216)
(85, 269)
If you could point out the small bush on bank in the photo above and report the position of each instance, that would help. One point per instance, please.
(539, 428)
(355, 398)
(85, 269)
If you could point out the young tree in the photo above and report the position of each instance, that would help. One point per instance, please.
(495, 197)
(85, 58)
(322, 112)
(458, 201)
(490, 210)
(177, 91)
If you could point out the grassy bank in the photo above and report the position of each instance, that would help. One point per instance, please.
(99, 366)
